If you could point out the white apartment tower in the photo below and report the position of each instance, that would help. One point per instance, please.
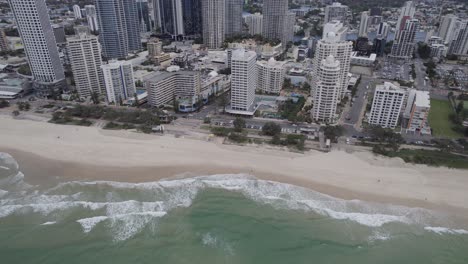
(254, 23)
(387, 105)
(404, 43)
(447, 27)
(270, 76)
(77, 12)
(406, 12)
(337, 28)
(92, 18)
(243, 79)
(341, 50)
(459, 42)
(84, 52)
(213, 21)
(36, 32)
(336, 11)
(328, 90)
(364, 24)
(119, 81)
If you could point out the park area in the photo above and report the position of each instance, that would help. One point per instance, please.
(439, 120)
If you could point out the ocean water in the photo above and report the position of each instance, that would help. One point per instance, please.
(212, 219)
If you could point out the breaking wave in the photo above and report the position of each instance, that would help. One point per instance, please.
(127, 208)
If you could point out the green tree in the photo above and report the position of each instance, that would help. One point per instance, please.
(95, 97)
(424, 50)
(333, 132)
(239, 124)
(271, 129)
(223, 101)
(16, 113)
(135, 95)
(4, 103)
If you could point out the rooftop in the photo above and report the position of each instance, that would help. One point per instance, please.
(422, 99)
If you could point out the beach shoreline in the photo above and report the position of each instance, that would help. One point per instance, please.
(58, 153)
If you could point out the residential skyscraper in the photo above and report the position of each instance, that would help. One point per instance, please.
(406, 12)
(85, 59)
(336, 11)
(459, 42)
(119, 32)
(328, 90)
(387, 105)
(119, 81)
(213, 18)
(382, 30)
(192, 17)
(337, 28)
(254, 23)
(274, 18)
(36, 32)
(404, 43)
(270, 76)
(417, 109)
(144, 21)
(91, 17)
(341, 50)
(364, 24)
(77, 12)
(447, 27)
(243, 80)
(288, 31)
(233, 17)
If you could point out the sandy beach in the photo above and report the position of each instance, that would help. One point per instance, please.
(61, 153)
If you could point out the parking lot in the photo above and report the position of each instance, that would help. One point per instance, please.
(395, 71)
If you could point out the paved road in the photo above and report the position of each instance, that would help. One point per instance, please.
(420, 82)
(354, 114)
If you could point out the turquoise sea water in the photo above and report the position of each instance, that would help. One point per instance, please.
(212, 219)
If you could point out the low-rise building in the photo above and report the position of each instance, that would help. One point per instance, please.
(362, 60)
(182, 86)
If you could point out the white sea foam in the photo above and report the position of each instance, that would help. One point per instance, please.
(211, 240)
(49, 223)
(444, 230)
(128, 216)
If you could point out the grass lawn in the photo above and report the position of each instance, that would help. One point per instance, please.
(439, 119)
(432, 158)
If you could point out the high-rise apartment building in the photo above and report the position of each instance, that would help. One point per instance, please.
(77, 12)
(447, 27)
(119, 81)
(144, 20)
(382, 30)
(36, 32)
(328, 90)
(338, 29)
(84, 52)
(254, 23)
(213, 18)
(364, 24)
(233, 17)
(243, 80)
(336, 11)
(459, 42)
(274, 18)
(341, 50)
(406, 12)
(288, 33)
(404, 43)
(119, 31)
(91, 17)
(270, 76)
(178, 18)
(387, 105)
